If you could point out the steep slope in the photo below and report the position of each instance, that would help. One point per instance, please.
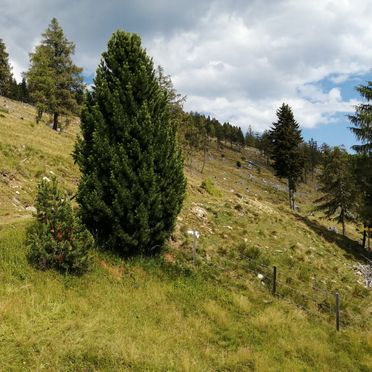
(210, 311)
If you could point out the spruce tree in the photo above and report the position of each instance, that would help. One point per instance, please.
(337, 185)
(132, 184)
(6, 76)
(55, 82)
(286, 153)
(362, 121)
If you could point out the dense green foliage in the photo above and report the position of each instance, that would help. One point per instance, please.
(362, 121)
(312, 157)
(132, 184)
(286, 154)
(57, 239)
(337, 184)
(5, 71)
(55, 82)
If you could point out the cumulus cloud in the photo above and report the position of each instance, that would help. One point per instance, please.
(237, 60)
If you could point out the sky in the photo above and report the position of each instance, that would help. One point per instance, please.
(236, 60)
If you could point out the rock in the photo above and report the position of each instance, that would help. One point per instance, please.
(200, 212)
(31, 208)
(194, 233)
(365, 271)
(260, 276)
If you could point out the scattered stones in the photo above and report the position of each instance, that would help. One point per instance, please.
(199, 212)
(364, 271)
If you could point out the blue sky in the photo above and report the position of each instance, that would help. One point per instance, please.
(338, 132)
(237, 60)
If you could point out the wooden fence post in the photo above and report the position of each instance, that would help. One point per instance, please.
(337, 311)
(274, 280)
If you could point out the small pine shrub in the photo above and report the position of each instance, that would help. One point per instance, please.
(57, 239)
(238, 164)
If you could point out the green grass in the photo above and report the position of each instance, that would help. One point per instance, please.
(165, 313)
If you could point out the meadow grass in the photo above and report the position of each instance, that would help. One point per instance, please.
(165, 313)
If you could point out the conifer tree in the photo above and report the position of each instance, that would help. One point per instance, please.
(250, 138)
(6, 76)
(362, 121)
(337, 184)
(55, 82)
(132, 184)
(57, 239)
(286, 154)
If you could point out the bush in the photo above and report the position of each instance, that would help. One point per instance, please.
(238, 164)
(57, 239)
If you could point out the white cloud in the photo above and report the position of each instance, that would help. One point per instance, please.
(237, 60)
(241, 65)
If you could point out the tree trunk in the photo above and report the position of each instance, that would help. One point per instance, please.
(55, 120)
(364, 236)
(39, 115)
(204, 160)
(290, 197)
(343, 222)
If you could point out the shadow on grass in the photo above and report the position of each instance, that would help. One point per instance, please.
(351, 247)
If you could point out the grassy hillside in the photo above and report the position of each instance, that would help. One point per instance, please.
(170, 313)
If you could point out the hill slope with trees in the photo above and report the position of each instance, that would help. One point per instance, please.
(208, 310)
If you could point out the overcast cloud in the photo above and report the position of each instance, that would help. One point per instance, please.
(238, 60)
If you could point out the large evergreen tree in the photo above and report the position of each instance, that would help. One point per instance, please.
(337, 185)
(132, 184)
(286, 154)
(362, 121)
(55, 82)
(6, 77)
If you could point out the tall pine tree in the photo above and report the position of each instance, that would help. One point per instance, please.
(6, 76)
(55, 82)
(132, 184)
(362, 121)
(286, 138)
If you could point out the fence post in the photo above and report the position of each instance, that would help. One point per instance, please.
(274, 280)
(194, 249)
(337, 311)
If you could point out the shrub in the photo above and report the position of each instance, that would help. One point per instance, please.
(238, 164)
(57, 239)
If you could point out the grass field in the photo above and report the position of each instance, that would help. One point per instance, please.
(168, 313)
